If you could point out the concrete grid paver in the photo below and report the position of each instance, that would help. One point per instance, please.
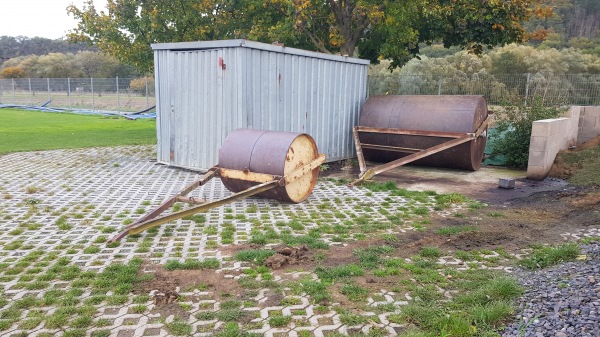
(100, 188)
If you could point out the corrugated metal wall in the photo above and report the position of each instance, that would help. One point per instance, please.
(203, 94)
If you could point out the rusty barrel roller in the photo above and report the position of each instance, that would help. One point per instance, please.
(270, 152)
(436, 115)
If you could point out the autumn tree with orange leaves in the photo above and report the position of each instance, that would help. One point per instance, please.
(372, 29)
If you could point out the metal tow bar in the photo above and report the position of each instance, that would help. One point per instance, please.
(366, 174)
(265, 182)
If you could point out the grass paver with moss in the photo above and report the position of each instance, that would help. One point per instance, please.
(59, 274)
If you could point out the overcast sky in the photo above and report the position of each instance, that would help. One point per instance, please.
(44, 18)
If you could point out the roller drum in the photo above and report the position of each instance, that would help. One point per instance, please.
(270, 152)
(446, 113)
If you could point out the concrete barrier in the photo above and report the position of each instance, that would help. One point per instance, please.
(589, 124)
(549, 136)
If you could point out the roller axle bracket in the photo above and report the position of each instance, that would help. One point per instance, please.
(416, 154)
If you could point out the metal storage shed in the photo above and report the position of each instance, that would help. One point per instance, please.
(204, 90)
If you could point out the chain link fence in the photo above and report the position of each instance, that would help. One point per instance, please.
(97, 94)
(128, 94)
(553, 90)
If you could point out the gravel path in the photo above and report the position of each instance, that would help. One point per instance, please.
(560, 301)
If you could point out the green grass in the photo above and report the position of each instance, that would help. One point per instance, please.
(453, 230)
(193, 264)
(330, 274)
(179, 328)
(370, 257)
(543, 256)
(23, 130)
(257, 256)
(279, 321)
(584, 165)
(480, 307)
(588, 240)
(430, 252)
(354, 293)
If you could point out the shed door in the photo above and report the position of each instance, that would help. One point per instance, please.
(196, 118)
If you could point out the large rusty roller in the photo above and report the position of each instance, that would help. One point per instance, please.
(442, 131)
(275, 165)
(269, 152)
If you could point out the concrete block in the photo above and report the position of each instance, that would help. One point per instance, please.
(537, 158)
(589, 133)
(540, 128)
(573, 112)
(506, 183)
(538, 143)
(592, 111)
(552, 135)
(537, 172)
(590, 122)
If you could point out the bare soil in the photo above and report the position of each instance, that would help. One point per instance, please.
(167, 284)
(286, 255)
(563, 168)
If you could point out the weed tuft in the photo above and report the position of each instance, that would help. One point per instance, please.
(453, 230)
(193, 264)
(544, 256)
(430, 252)
(179, 328)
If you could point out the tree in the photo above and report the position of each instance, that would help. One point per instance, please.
(60, 65)
(94, 64)
(56, 65)
(11, 47)
(375, 28)
(128, 27)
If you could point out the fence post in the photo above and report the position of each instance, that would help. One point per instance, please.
(13, 87)
(527, 88)
(146, 92)
(48, 82)
(92, 82)
(69, 92)
(439, 87)
(30, 92)
(118, 97)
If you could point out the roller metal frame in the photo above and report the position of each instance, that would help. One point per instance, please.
(265, 182)
(457, 138)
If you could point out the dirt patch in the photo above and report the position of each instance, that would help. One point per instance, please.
(589, 144)
(565, 167)
(587, 200)
(166, 281)
(161, 299)
(286, 255)
(166, 285)
(481, 185)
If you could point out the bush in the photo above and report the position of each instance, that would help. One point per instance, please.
(514, 131)
(12, 72)
(138, 85)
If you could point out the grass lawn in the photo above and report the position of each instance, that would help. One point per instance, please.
(22, 130)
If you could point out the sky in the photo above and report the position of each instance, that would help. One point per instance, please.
(43, 18)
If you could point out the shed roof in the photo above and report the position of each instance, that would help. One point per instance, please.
(199, 45)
